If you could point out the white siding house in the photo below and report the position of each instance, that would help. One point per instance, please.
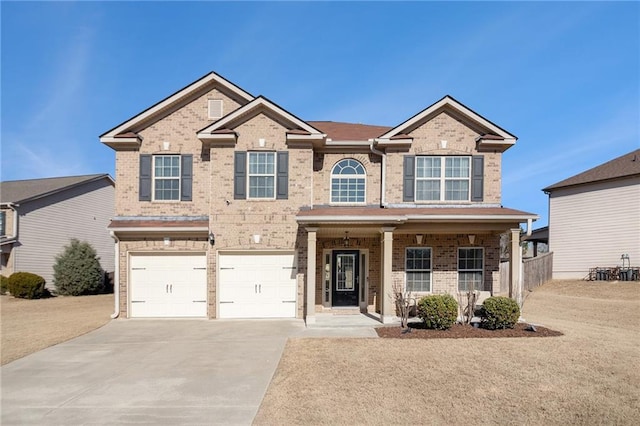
(594, 218)
(42, 215)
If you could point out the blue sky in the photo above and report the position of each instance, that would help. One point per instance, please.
(563, 77)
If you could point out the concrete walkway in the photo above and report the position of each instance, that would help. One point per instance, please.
(153, 372)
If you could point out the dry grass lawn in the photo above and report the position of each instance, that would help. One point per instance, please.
(31, 325)
(588, 376)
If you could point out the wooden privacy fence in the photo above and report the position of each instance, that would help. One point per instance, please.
(535, 272)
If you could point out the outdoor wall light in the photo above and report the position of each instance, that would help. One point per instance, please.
(212, 239)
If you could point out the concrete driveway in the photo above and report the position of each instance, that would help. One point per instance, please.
(149, 372)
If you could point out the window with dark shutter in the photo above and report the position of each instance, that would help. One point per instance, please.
(144, 190)
(282, 183)
(477, 178)
(240, 175)
(186, 178)
(408, 187)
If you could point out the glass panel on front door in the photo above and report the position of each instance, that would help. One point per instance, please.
(345, 278)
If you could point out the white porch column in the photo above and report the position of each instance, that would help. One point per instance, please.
(515, 265)
(388, 310)
(310, 317)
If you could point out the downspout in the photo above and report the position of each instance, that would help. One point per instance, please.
(116, 276)
(383, 204)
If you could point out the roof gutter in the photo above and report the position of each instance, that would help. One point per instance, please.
(383, 185)
(116, 276)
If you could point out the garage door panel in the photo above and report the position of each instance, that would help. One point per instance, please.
(168, 285)
(257, 286)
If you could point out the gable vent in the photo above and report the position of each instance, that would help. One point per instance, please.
(215, 109)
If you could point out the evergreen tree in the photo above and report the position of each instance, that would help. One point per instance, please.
(77, 270)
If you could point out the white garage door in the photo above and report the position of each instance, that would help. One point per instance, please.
(257, 286)
(168, 285)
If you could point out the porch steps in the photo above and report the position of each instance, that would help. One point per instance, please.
(357, 319)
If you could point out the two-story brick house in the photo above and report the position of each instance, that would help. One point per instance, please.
(229, 206)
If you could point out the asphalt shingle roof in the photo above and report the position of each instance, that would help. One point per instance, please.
(17, 191)
(624, 166)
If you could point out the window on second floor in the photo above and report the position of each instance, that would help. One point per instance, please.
(262, 174)
(166, 177)
(348, 182)
(3, 217)
(443, 178)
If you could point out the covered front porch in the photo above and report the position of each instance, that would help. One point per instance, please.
(358, 255)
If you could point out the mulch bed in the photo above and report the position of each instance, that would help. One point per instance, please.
(459, 331)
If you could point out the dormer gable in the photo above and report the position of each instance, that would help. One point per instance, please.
(490, 136)
(222, 131)
(126, 135)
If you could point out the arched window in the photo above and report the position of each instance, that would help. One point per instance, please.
(348, 180)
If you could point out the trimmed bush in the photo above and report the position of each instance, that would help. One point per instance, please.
(26, 285)
(499, 312)
(438, 311)
(4, 284)
(77, 270)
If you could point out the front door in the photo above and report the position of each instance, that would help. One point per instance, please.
(346, 278)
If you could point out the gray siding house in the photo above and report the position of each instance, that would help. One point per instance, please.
(38, 217)
(594, 218)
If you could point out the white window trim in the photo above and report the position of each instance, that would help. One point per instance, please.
(210, 102)
(458, 270)
(332, 176)
(442, 179)
(419, 270)
(178, 178)
(249, 175)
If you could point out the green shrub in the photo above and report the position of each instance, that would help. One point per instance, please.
(499, 312)
(438, 311)
(26, 285)
(4, 284)
(77, 270)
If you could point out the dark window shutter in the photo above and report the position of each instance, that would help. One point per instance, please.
(186, 178)
(282, 178)
(477, 178)
(3, 217)
(145, 178)
(409, 178)
(240, 175)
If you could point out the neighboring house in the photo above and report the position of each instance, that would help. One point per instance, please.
(38, 217)
(594, 218)
(229, 206)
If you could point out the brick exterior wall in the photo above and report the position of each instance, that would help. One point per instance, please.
(235, 222)
(323, 164)
(179, 129)
(461, 140)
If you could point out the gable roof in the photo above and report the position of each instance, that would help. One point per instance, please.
(492, 133)
(624, 166)
(205, 81)
(294, 123)
(340, 131)
(20, 191)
